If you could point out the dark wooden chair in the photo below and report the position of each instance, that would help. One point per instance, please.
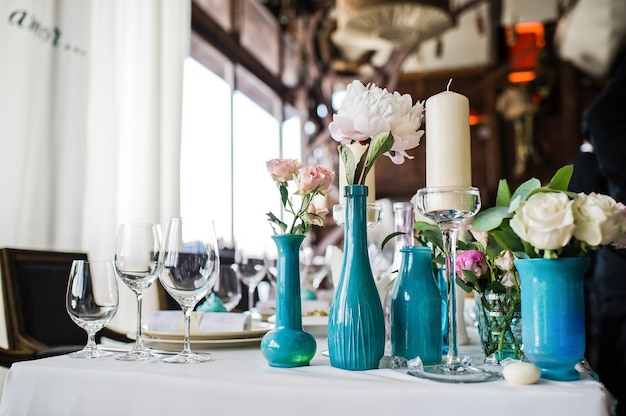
(34, 283)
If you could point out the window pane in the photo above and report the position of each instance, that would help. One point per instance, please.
(292, 144)
(256, 139)
(206, 151)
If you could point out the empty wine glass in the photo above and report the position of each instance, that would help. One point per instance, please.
(227, 288)
(251, 271)
(191, 264)
(137, 265)
(91, 301)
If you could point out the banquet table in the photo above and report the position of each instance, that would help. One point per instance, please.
(240, 381)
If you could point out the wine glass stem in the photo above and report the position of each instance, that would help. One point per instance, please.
(187, 324)
(138, 341)
(91, 340)
(449, 233)
(251, 290)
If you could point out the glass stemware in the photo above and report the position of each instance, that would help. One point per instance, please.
(251, 271)
(91, 301)
(191, 264)
(137, 265)
(448, 207)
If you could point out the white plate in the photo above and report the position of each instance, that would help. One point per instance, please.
(205, 336)
(177, 344)
(314, 325)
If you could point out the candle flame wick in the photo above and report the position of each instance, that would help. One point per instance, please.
(448, 87)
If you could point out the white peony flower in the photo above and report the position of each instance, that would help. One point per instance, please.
(598, 219)
(368, 111)
(545, 220)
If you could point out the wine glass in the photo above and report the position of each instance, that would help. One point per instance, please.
(91, 301)
(448, 207)
(191, 264)
(251, 271)
(137, 265)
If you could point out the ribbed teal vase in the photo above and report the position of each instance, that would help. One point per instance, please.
(356, 327)
(553, 310)
(287, 345)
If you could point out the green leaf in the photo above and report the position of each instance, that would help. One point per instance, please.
(275, 220)
(491, 218)
(348, 162)
(560, 180)
(389, 237)
(359, 178)
(470, 277)
(379, 145)
(463, 285)
(284, 194)
(525, 189)
(503, 197)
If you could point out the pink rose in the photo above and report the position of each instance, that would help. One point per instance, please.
(314, 178)
(473, 261)
(283, 170)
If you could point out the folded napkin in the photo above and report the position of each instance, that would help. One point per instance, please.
(201, 322)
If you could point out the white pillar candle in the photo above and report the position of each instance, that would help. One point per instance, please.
(448, 147)
(370, 181)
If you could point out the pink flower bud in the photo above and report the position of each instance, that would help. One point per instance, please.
(283, 170)
(473, 261)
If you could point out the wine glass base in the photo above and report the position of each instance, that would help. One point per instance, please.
(135, 355)
(89, 353)
(455, 374)
(188, 358)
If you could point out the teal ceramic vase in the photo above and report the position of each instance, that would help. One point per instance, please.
(553, 310)
(287, 345)
(356, 327)
(416, 308)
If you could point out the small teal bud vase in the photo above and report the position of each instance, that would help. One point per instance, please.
(416, 308)
(287, 345)
(356, 326)
(553, 310)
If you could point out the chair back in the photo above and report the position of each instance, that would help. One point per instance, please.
(34, 285)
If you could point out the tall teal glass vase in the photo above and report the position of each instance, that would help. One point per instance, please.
(356, 327)
(287, 345)
(553, 310)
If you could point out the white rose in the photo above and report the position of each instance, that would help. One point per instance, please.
(598, 219)
(545, 220)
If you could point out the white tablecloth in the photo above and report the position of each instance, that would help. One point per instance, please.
(240, 381)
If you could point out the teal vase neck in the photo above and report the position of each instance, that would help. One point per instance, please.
(289, 304)
(356, 208)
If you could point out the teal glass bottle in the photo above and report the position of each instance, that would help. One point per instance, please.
(287, 345)
(416, 308)
(356, 327)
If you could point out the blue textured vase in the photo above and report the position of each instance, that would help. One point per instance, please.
(287, 345)
(416, 308)
(554, 314)
(356, 327)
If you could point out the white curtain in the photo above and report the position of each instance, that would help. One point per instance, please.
(90, 114)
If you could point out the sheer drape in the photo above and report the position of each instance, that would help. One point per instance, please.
(90, 107)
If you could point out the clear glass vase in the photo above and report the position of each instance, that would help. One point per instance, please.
(499, 319)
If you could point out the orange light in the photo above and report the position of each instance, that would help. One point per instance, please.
(525, 41)
(521, 76)
(477, 119)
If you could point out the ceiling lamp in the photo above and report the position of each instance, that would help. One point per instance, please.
(392, 22)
